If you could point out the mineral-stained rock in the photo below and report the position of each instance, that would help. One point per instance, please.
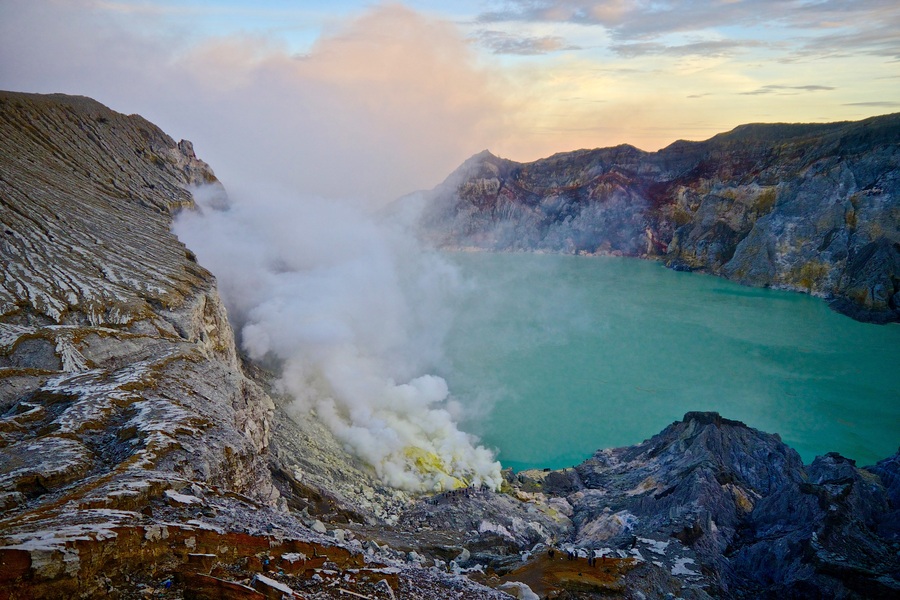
(813, 208)
(205, 587)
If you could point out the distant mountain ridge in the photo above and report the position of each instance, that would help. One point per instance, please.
(805, 207)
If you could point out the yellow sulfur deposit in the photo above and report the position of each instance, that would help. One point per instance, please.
(430, 463)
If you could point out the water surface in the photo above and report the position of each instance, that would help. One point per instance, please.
(563, 355)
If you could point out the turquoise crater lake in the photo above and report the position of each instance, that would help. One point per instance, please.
(558, 356)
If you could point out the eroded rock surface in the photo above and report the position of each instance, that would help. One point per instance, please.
(813, 208)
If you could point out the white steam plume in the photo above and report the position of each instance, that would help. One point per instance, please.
(385, 101)
(355, 313)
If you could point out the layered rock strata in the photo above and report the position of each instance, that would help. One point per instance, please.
(812, 208)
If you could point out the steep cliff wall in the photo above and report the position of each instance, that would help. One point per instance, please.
(813, 208)
(119, 379)
(106, 317)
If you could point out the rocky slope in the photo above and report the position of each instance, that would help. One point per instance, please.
(141, 456)
(813, 208)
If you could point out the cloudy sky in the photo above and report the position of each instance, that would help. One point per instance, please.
(348, 97)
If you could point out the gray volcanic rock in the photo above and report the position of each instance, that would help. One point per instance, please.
(812, 208)
(105, 315)
(691, 486)
(489, 526)
(820, 535)
(888, 470)
(734, 511)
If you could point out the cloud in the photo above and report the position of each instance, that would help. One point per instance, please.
(879, 39)
(573, 11)
(637, 20)
(707, 48)
(787, 89)
(387, 102)
(500, 42)
(878, 104)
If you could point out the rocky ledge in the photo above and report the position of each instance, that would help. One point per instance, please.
(141, 456)
(811, 208)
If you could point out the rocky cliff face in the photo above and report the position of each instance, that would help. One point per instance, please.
(711, 507)
(813, 208)
(141, 456)
(108, 322)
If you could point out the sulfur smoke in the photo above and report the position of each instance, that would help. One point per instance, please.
(353, 311)
(349, 309)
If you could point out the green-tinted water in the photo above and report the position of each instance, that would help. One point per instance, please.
(568, 354)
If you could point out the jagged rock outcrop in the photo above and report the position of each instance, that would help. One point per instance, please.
(813, 208)
(734, 512)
